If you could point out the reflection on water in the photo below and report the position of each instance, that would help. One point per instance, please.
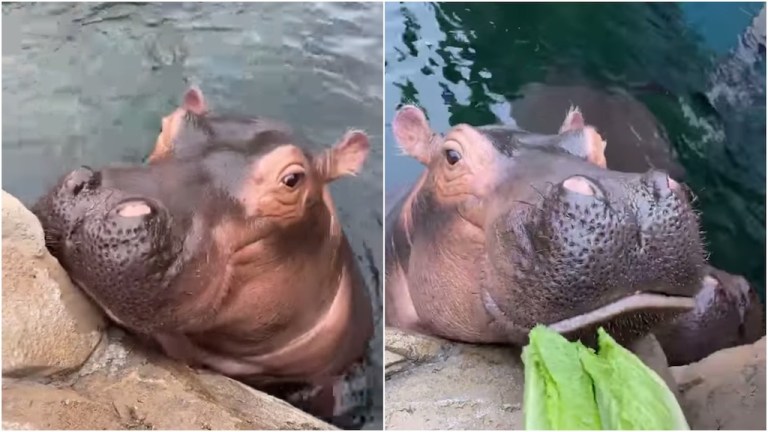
(691, 77)
(88, 83)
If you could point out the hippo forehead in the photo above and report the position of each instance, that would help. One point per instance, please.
(254, 136)
(509, 141)
(505, 140)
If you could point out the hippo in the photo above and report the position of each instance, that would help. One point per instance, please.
(507, 228)
(225, 251)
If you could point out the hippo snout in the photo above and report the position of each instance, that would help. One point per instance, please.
(592, 242)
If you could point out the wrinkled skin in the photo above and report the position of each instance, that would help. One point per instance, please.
(728, 313)
(506, 229)
(226, 250)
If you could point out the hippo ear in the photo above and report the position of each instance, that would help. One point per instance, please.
(346, 157)
(582, 140)
(194, 101)
(413, 133)
(573, 120)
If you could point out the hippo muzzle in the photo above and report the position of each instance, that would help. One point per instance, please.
(594, 248)
(109, 237)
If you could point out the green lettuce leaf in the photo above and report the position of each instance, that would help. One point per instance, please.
(569, 386)
(558, 392)
(630, 395)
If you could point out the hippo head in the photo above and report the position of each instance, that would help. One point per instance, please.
(166, 246)
(537, 230)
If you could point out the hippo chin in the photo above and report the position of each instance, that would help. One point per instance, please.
(507, 229)
(226, 249)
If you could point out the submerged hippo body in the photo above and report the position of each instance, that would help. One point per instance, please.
(506, 229)
(728, 313)
(226, 249)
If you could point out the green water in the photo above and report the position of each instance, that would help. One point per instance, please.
(468, 63)
(87, 83)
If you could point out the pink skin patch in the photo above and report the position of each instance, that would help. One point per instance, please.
(579, 185)
(134, 209)
(573, 120)
(673, 184)
(194, 101)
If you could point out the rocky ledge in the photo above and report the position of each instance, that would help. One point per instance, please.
(65, 368)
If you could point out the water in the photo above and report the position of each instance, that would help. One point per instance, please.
(472, 63)
(88, 83)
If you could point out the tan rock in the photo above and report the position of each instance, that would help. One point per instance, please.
(394, 363)
(414, 346)
(725, 390)
(49, 326)
(447, 385)
(126, 387)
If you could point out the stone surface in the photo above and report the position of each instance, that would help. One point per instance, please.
(49, 326)
(414, 346)
(125, 387)
(435, 384)
(725, 390)
(394, 363)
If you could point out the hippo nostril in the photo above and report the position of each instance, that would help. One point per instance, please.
(661, 183)
(130, 209)
(673, 184)
(78, 179)
(581, 185)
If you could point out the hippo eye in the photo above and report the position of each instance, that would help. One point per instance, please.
(78, 188)
(291, 180)
(452, 156)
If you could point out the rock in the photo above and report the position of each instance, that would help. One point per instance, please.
(126, 387)
(49, 326)
(725, 390)
(394, 363)
(413, 346)
(444, 385)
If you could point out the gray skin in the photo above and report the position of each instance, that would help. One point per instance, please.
(227, 253)
(727, 312)
(506, 229)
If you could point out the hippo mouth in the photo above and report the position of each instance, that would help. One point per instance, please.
(639, 302)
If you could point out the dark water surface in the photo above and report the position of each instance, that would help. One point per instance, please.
(695, 67)
(88, 83)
